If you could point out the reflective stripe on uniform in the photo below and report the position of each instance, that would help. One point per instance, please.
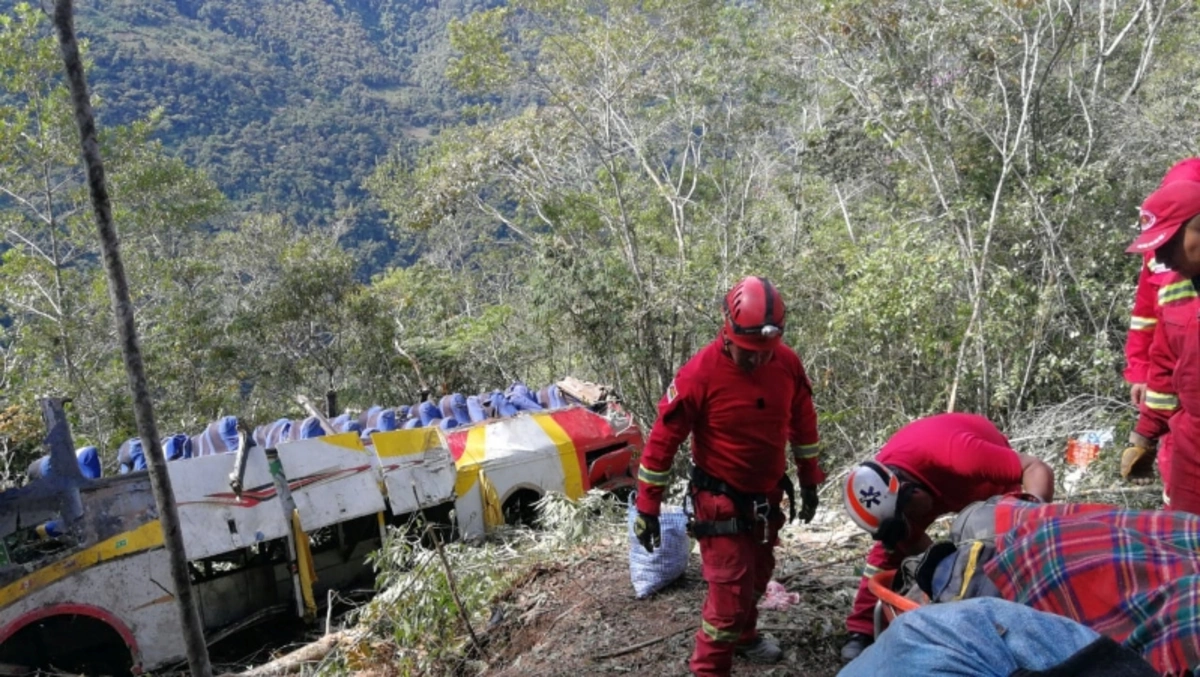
(654, 477)
(803, 451)
(870, 570)
(718, 635)
(1161, 401)
(1142, 323)
(1176, 292)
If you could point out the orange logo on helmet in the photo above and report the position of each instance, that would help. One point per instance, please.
(1146, 220)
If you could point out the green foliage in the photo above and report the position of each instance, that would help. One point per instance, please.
(942, 194)
(286, 105)
(58, 334)
(417, 609)
(20, 443)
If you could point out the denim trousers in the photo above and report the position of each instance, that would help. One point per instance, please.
(982, 637)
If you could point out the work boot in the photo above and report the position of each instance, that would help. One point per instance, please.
(857, 643)
(761, 650)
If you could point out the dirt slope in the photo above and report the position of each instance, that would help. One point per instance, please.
(581, 617)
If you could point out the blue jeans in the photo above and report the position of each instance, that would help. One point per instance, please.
(982, 637)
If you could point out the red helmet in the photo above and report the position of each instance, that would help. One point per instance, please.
(754, 313)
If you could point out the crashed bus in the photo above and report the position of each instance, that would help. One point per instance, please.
(271, 530)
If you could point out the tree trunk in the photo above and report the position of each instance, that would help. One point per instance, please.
(160, 480)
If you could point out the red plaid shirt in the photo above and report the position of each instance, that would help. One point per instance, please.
(1132, 575)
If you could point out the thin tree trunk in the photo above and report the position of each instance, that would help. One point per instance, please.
(160, 480)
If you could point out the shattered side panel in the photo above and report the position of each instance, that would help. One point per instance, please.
(215, 520)
(331, 479)
(111, 507)
(228, 599)
(417, 469)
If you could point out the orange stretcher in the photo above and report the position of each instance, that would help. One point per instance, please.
(890, 604)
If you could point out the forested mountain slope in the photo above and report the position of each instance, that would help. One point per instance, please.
(287, 105)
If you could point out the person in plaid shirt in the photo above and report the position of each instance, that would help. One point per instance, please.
(1130, 575)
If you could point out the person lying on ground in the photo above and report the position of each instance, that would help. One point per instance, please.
(1130, 575)
(990, 637)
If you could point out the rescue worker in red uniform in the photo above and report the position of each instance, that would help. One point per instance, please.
(1150, 352)
(931, 467)
(1177, 301)
(1170, 220)
(744, 399)
(1142, 323)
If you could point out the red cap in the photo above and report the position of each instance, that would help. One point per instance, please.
(1184, 170)
(1164, 212)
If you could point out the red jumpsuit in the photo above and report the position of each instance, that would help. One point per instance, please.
(741, 423)
(1185, 425)
(960, 459)
(1177, 301)
(1143, 321)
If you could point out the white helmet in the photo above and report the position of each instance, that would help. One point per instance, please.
(870, 494)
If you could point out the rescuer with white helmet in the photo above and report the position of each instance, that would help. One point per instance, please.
(931, 467)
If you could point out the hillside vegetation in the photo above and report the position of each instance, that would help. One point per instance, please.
(942, 192)
(286, 105)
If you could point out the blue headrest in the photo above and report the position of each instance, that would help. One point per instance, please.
(448, 423)
(219, 437)
(501, 407)
(475, 409)
(385, 420)
(131, 456)
(89, 462)
(365, 417)
(458, 407)
(411, 423)
(428, 412)
(309, 428)
(176, 447)
(39, 468)
(271, 435)
(227, 425)
(518, 396)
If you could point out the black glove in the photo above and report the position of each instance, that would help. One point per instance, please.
(808, 503)
(648, 531)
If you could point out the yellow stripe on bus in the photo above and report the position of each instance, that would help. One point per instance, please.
(146, 537)
(348, 440)
(572, 473)
(468, 464)
(404, 442)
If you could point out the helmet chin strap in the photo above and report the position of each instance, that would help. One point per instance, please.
(892, 530)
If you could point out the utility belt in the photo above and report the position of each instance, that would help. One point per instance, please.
(752, 510)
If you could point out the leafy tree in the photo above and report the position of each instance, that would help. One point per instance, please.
(58, 333)
(942, 192)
